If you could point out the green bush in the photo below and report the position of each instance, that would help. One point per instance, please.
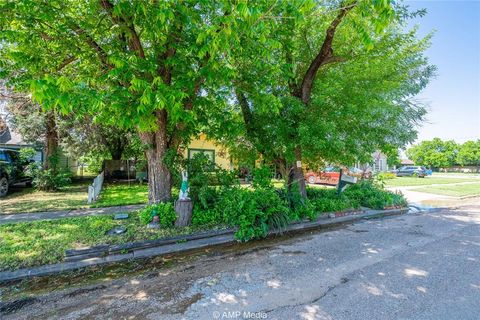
(368, 195)
(262, 178)
(301, 211)
(318, 193)
(205, 217)
(335, 204)
(48, 179)
(204, 177)
(327, 200)
(386, 175)
(164, 211)
(51, 179)
(253, 212)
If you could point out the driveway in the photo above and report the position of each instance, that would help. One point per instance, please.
(415, 266)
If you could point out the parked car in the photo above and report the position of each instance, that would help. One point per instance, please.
(412, 171)
(12, 170)
(331, 175)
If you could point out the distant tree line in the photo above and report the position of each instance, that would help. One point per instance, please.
(437, 153)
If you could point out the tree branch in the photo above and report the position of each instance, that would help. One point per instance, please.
(324, 56)
(134, 42)
(102, 55)
(65, 63)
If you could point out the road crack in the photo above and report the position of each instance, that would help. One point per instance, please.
(343, 280)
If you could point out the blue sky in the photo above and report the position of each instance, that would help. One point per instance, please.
(454, 95)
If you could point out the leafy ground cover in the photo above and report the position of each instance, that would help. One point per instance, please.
(253, 211)
(412, 181)
(459, 190)
(72, 197)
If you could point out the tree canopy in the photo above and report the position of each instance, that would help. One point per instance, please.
(361, 99)
(293, 80)
(438, 153)
(469, 153)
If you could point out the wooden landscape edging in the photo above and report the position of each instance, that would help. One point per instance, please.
(104, 250)
(173, 245)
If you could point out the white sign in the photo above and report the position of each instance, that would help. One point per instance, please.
(299, 164)
(348, 179)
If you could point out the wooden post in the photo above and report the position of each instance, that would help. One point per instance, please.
(184, 209)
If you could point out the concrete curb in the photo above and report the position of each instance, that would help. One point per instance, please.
(171, 248)
(468, 197)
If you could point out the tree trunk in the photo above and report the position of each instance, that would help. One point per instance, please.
(184, 209)
(51, 142)
(296, 175)
(116, 148)
(159, 175)
(304, 90)
(282, 167)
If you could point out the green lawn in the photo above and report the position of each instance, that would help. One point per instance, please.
(466, 174)
(29, 200)
(122, 194)
(412, 181)
(72, 197)
(42, 242)
(460, 190)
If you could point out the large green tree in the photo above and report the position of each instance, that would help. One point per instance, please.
(151, 66)
(434, 153)
(343, 86)
(469, 154)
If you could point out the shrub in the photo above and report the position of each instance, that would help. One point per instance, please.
(48, 179)
(279, 220)
(368, 195)
(298, 207)
(335, 204)
(203, 176)
(262, 178)
(327, 200)
(205, 217)
(253, 212)
(386, 175)
(206, 197)
(379, 178)
(44, 179)
(164, 211)
(305, 210)
(316, 193)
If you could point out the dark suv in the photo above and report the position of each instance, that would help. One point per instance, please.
(12, 170)
(412, 171)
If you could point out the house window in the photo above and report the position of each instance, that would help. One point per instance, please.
(209, 153)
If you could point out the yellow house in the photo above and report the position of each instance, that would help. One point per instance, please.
(216, 152)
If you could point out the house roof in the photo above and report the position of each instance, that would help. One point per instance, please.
(407, 162)
(9, 137)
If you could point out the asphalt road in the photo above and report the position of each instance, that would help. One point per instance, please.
(415, 266)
